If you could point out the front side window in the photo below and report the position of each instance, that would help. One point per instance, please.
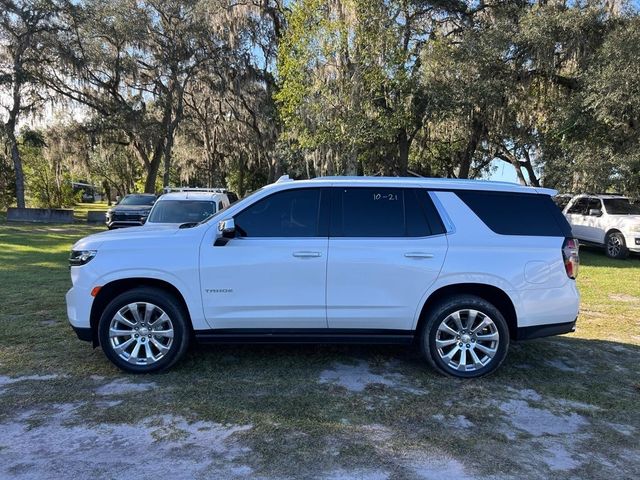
(594, 204)
(579, 207)
(289, 213)
(181, 211)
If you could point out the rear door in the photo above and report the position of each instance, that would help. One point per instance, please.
(386, 248)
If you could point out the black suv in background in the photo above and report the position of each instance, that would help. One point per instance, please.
(131, 211)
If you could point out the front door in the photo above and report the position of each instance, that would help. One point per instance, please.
(273, 275)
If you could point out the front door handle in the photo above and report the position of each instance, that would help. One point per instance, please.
(307, 254)
(418, 255)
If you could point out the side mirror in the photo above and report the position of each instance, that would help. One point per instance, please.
(227, 228)
(595, 212)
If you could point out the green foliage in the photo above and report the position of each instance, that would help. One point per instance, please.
(48, 183)
(7, 182)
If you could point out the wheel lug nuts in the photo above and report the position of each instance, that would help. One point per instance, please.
(136, 335)
(468, 346)
(460, 344)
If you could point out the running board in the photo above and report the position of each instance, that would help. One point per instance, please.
(306, 335)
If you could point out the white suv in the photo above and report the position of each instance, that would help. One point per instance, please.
(187, 205)
(608, 220)
(460, 267)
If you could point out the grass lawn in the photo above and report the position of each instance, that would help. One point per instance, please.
(563, 407)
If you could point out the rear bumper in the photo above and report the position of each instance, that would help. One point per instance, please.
(538, 331)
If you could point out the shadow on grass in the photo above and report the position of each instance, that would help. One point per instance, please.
(595, 257)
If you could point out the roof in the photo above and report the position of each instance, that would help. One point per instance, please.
(601, 195)
(201, 196)
(433, 183)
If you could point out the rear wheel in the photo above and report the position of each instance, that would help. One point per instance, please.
(615, 246)
(143, 330)
(465, 336)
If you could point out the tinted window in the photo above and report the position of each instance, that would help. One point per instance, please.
(369, 212)
(561, 201)
(291, 213)
(138, 200)
(181, 211)
(579, 207)
(621, 206)
(428, 208)
(594, 204)
(384, 212)
(517, 213)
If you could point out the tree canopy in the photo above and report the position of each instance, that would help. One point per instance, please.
(144, 94)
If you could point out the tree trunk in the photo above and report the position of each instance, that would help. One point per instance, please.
(10, 130)
(152, 170)
(17, 167)
(533, 179)
(465, 157)
(403, 153)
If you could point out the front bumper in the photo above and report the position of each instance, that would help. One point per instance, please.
(84, 334)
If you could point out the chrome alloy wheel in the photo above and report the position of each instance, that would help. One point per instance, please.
(141, 333)
(614, 245)
(467, 340)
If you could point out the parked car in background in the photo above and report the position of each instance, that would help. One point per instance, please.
(187, 205)
(131, 211)
(460, 267)
(610, 221)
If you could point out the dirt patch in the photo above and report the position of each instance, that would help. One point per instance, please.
(621, 297)
(5, 380)
(539, 421)
(64, 447)
(356, 378)
(123, 386)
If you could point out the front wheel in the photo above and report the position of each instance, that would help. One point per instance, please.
(615, 246)
(143, 330)
(465, 336)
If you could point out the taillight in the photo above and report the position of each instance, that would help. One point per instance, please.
(571, 256)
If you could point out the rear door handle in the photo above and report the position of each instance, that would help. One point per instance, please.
(418, 255)
(307, 254)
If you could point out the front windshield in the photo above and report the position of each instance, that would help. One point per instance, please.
(138, 200)
(181, 211)
(621, 206)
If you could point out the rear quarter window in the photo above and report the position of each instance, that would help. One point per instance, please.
(517, 213)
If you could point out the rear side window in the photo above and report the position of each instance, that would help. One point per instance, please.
(517, 213)
(384, 212)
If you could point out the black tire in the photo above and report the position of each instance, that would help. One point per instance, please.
(441, 312)
(165, 302)
(615, 246)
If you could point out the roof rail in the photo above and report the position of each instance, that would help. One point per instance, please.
(193, 189)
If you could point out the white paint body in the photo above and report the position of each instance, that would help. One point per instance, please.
(349, 283)
(593, 229)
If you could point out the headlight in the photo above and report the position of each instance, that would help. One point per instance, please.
(81, 257)
(635, 228)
